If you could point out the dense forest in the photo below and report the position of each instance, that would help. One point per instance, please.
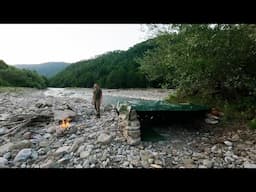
(14, 77)
(48, 69)
(210, 64)
(116, 69)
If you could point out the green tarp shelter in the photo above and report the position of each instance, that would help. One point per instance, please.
(145, 105)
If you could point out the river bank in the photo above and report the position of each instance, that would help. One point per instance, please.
(98, 143)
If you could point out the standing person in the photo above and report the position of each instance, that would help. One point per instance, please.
(97, 99)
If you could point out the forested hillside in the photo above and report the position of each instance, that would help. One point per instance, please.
(117, 69)
(215, 64)
(12, 76)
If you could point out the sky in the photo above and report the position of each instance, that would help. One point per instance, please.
(40, 43)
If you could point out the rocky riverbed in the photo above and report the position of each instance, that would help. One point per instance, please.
(28, 136)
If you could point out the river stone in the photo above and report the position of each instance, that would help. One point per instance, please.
(80, 149)
(86, 164)
(51, 129)
(4, 116)
(27, 135)
(235, 138)
(23, 155)
(60, 131)
(74, 147)
(126, 164)
(7, 155)
(3, 162)
(49, 164)
(63, 160)
(22, 144)
(133, 115)
(78, 166)
(6, 147)
(108, 107)
(47, 136)
(134, 123)
(216, 149)
(42, 103)
(249, 165)
(44, 143)
(155, 166)
(132, 141)
(145, 155)
(104, 138)
(202, 166)
(133, 134)
(228, 143)
(123, 108)
(144, 163)
(188, 162)
(150, 161)
(41, 151)
(62, 150)
(3, 131)
(208, 163)
(133, 128)
(34, 155)
(85, 154)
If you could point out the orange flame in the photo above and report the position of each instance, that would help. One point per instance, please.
(65, 123)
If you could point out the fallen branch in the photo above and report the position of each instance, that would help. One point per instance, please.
(13, 123)
(32, 119)
(16, 128)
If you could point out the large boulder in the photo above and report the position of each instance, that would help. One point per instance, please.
(61, 115)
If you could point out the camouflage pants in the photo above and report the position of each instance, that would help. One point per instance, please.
(97, 107)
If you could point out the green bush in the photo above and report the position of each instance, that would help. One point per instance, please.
(252, 123)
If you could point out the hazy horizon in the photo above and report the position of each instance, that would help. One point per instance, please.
(43, 43)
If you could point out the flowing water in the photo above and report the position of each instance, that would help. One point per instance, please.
(110, 96)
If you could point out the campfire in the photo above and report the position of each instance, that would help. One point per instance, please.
(65, 123)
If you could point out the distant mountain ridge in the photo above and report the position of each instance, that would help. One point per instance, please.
(48, 69)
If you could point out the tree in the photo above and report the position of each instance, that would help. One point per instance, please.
(205, 60)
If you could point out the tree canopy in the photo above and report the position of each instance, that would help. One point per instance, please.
(207, 61)
(210, 59)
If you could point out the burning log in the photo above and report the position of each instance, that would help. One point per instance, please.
(65, 123)
(65, 126)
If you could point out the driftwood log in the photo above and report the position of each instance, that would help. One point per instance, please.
(25, 121)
